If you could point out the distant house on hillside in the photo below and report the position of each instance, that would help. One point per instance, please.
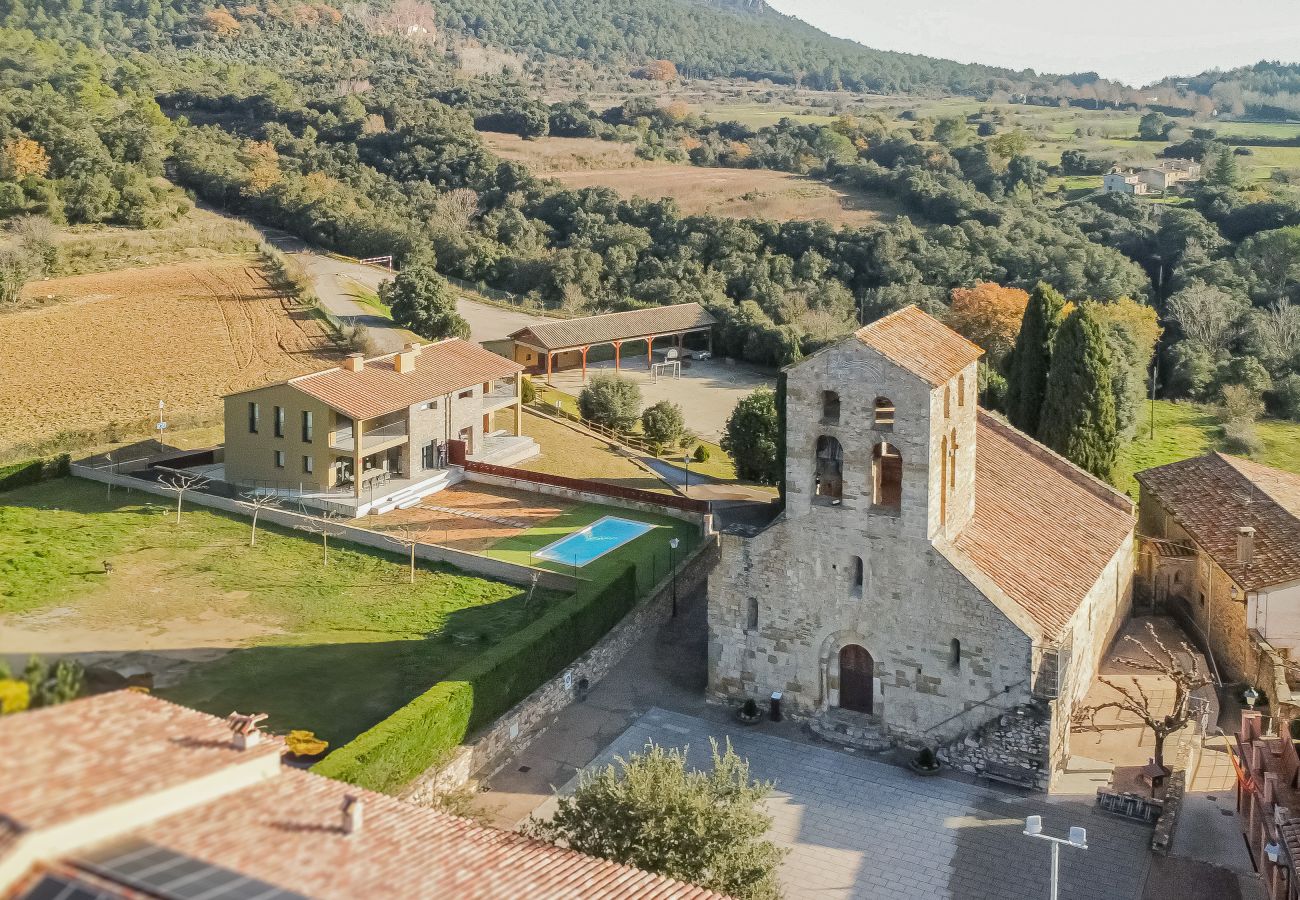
(124, 795)
(375, 432)
(1121, 181)
(1168, 172)
(1221, 545)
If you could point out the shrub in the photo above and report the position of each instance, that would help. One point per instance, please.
(428, 729)
(611, 401)
(663, 423)
(31, 471)
(1286, 396)
(753, 438)
(702, 453)
(527, 391)
(1239, 437)
(1240, 403)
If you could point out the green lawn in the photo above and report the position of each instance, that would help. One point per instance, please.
(649, 552)
(332, 649)
(1184, 430)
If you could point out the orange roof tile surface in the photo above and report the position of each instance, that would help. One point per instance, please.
(920, 344)
(63, 762)
(619, 326)
(1212, 496)
(1043, 530)
(442, 368)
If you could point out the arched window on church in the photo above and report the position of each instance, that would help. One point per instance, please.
(751, 615)
(830, 469)
(884, 412)
(961, 389)
(947, 400)
(830, 408)
(952, 464)
(858, 576)
(887, 477)
(954, 654)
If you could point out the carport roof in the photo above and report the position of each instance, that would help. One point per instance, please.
(619, 326)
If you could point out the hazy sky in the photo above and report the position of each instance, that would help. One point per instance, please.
(1135, 41)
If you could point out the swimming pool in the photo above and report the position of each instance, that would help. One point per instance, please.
(594, 541)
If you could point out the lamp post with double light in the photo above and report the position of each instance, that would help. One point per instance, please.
(1078, 838)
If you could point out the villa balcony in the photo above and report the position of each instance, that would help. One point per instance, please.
(372, 440)
(502, 394)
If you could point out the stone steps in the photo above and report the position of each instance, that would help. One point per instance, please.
(852, 730)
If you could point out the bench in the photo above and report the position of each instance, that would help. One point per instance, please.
(1013, 775)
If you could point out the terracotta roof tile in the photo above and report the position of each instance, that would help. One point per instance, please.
(288, 832)
(1212, 496)
(920, 344)
(1043, 530)
(440, 369)
(619, 326)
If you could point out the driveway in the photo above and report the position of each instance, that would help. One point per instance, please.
(335, 283)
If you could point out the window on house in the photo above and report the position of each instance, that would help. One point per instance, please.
(751, 615)
(830, 407)
(884, 412)
(961, 389)
(830, 468)
(279, 421)
(308, 426)
(308, 464)
(432, 404)
(858, 575)
(465, 395)
(254, 418)
(279, 459)
(954, 654)
(887, 477)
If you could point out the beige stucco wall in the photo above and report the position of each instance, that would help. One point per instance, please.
(250, 458)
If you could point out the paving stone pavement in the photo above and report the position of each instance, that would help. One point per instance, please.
(857, 828)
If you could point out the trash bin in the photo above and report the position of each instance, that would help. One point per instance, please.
(775, 709)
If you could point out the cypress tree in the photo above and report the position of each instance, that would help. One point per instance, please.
(1079, 419)
(1031, 358)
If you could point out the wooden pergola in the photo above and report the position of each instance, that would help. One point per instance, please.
(615, 329)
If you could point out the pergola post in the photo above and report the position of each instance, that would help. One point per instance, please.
(584, 364)
(710, 334)
(519, 404)
(548, 366)
(650, 351)
(357, 455)
(617, 345)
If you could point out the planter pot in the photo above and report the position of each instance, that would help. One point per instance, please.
(745, 719)
(916, 767)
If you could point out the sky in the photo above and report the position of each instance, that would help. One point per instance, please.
(1134, 41)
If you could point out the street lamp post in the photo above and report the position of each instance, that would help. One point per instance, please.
(1078, 838)
(673, 544)
(686, 458)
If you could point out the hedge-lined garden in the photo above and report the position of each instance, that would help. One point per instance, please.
(31, 471)
(431, 726)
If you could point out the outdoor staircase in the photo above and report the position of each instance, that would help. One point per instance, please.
(410, 495)
(852, 729)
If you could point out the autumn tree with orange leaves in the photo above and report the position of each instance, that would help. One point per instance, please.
(24, 157)
(990, 315)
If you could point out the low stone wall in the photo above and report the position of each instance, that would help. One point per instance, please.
(1163, 835)
(516, 729)
(1270, 677)
(468, 562)
(1018, 738)
(523, 483)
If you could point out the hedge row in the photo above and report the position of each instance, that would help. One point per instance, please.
(17, 475)
(426, 730)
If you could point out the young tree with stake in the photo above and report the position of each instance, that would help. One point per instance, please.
(180, 482)
(256, 503)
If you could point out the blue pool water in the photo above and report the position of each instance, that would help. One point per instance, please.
(594, 541)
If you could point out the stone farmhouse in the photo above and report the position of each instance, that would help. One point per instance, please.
(1221, 548)
(1120, 181)
(374, 433)
(933, 567)
(1161, 176)
(123, 795)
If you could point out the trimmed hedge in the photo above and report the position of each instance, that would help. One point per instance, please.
(32, 471)
(426, 730)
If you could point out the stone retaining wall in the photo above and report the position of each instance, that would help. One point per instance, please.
(1018, 738)
(516, 729)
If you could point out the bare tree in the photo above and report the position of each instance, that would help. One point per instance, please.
(1159, 660)
(257, 502)
(1207, 315)
(408, 536)
(179, 483)
(324, 524)
(1277, 330)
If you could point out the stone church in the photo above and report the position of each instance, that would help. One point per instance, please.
(933, 567)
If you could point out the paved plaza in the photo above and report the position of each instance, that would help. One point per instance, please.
(857, 828)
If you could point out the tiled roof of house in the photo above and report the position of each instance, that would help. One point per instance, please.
(1043, 530)
(920, 344)
(619, 326)
(441, 368)
(1212, 496)
(284, 828)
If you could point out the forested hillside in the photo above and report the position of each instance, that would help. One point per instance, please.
(1266, 90)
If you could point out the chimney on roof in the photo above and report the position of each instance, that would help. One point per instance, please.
(1245, 545)
(352, 814)
(244, 733)
(355, 362)
(404, 362)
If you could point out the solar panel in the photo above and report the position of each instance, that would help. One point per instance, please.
(64, 887)
(175, 876)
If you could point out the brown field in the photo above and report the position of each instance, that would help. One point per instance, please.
(738, 193)
(105, 348)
